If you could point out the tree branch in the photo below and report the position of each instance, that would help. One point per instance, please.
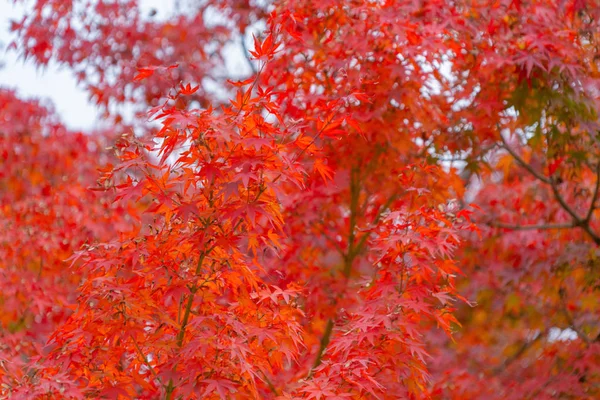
(247, 53)
(348, 261)
(570, 319)
(144, 358)
(383, 209)
(576, 218)
(595, 195)
(170, 388)
(188, 308)
(323, 345)
(518, 354)
(524, 164)
(269, 383)
(578, 221)
(352, 251)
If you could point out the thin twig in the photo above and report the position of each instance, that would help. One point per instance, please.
(247, 53)
(518, 354)
(570, 319)
(333, 242)
(146, 362)
(269, 383)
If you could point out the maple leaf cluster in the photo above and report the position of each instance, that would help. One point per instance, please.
(395, 199)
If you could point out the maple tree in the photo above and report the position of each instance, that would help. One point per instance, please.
(44, 182)
(398, 201)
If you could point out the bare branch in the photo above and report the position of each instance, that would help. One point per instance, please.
(578, 221)
(576, 218)
(247, 53)
(524, 164)
(595, 195)
(583, 223)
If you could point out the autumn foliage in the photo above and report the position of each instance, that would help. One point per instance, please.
(388, 199)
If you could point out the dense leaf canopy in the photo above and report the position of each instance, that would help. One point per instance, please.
(385, 199)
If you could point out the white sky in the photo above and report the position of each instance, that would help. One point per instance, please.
(70, 102)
